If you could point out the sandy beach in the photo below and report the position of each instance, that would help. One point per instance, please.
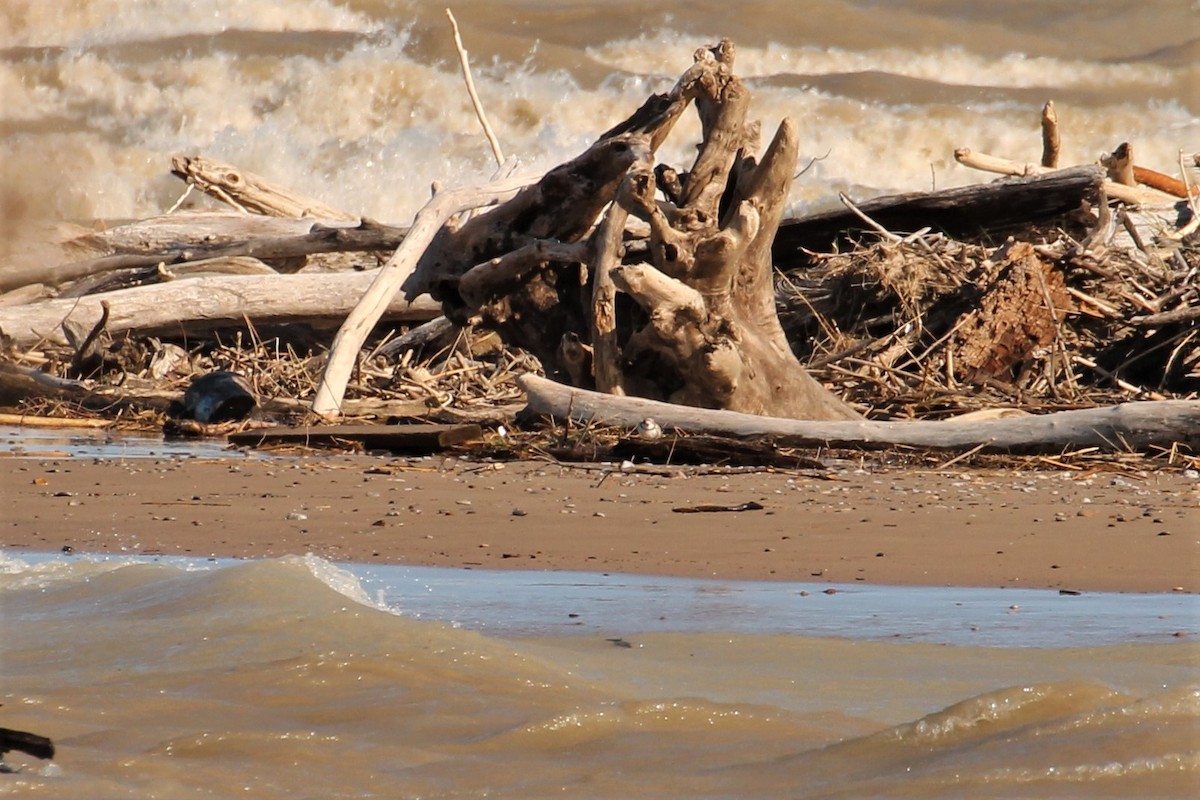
(1098, 531)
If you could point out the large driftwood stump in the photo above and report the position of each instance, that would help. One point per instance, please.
(685, 312)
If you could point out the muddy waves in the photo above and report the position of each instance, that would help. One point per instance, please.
(284, 679)
(361, 102)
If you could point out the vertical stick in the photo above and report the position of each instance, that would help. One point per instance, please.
(343, 353)
(1050, 140)
(609, 249)
(466, 68)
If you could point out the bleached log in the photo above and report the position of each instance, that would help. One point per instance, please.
(309, 239)
(381, 294)
(196, 305)
(1124, 426)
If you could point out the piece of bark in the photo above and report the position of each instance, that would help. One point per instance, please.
(436, 334)
(249, 192)
(1019, 313)
(960, 212)
(1136, 425)
(19, 383)
(1182, 314)
(195, 306)
(34, 421)
(30, 293)
(182, 230)
(28, 743)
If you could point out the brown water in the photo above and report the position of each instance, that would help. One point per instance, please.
(283, 679)
(361, 103)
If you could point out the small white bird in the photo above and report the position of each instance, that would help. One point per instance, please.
(649, 429)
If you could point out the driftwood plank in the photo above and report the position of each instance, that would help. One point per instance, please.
(417, 438)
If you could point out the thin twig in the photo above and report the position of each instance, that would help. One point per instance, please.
(466, 68)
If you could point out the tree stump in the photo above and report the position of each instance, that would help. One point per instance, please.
(684, 311)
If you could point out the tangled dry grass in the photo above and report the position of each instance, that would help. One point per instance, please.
(931, 327)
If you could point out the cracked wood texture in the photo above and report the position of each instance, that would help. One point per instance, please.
(684, 314)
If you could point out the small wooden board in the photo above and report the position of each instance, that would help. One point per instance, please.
(411, 439)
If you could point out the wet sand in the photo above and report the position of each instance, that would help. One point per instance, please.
(1086, 532)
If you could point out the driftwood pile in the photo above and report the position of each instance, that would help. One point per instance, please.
(616, 275)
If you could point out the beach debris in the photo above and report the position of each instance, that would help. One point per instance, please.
(912, 307)
(410, 439)
(217, 397)
(649, 429)
(710, 509)
(23, 742)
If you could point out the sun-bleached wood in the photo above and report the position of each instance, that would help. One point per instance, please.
(197, 305)
(249, 192)
(382, 292)
(1113, 428)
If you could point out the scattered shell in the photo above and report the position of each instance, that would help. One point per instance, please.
(649, 429)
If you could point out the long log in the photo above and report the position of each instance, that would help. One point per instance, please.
(196, 305)
(964, 211)
(1124, 426)
(365, 236)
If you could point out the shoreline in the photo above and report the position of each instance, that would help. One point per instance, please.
(890, 526)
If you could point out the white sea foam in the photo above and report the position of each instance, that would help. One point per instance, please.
(659, 54)
(35, 23)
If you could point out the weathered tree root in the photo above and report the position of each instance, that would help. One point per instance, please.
(692, 318)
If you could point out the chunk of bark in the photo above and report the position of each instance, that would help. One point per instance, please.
(1134, 195)
(1020, 313)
